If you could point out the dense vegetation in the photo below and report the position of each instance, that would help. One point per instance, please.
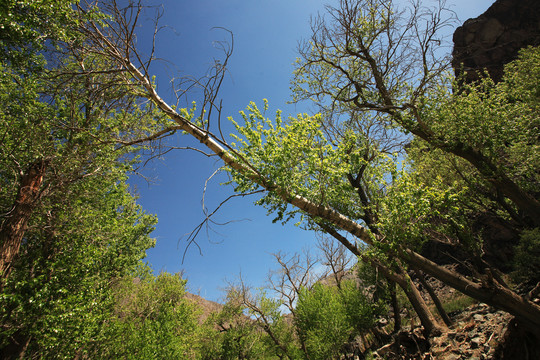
(396, 158)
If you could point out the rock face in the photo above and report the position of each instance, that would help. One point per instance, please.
(494, 38)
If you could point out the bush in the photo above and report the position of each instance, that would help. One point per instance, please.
(329, 317)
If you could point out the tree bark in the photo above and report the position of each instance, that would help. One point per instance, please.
(430, 324)
(488, 291)
(15, 223)
(434, 297)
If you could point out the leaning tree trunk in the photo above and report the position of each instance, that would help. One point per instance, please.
(487, 291)
(492, 294)
(430, 324)
(399, 277)
(434, 297)
(15, 223)
(395, 306)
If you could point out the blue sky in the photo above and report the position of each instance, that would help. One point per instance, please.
(266, 34)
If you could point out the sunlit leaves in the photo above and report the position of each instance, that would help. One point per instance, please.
(501, 121)
(411, 209)
(59, 290)
(327, 317)
(151, 318)
(295, 158)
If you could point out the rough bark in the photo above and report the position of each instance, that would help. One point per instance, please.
(15, 223)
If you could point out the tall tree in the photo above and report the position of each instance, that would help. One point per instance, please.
(58, 295)
(71, 129)
(384, 67)
(373, 58)
(72, 118)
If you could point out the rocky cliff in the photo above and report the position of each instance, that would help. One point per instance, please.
(494, 38)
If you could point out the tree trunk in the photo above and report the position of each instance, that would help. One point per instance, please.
(488, 291)
(395, 306)
(434, 297)
(499, 297)
(15, 223)
(430, 324)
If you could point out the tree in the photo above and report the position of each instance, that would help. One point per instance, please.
(73, 118)
(371, 58)
(322, 321)
(231, 333)
(304, 311)
(72, 128)
(275, 155)
(58, 296)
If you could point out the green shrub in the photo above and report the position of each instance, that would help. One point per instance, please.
(328, 317)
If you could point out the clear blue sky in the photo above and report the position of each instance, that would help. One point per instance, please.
(266, 34)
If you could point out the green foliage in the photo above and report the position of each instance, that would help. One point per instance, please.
(361, 311)
(468, 194)
(500, 121)
(527, 257)
(231, 334)
(277, 326)
(27, 26)
(71, 291)
(412, 210)
(152, 320)
(86, 230)
(58, 293)
(294, 157)
(327, 318)
(322, 321)
(457, 303)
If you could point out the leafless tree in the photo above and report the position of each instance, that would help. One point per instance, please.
(336, 258)
(269, 319)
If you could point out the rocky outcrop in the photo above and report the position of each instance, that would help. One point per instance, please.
(494, 38)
